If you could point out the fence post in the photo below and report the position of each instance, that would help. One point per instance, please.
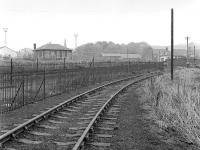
(128, 66)
(65, 80)
(23, 86)
(44, 84)
(60, 82)
(37, 64)
(11, 70)
(64, 63)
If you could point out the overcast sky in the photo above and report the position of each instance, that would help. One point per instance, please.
(120, 21)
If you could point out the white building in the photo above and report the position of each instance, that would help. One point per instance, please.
(7, 52)
(163, 58)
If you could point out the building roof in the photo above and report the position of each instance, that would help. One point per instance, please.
(51, 46)
(5, 51)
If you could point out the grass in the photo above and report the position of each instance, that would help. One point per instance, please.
(175, 106)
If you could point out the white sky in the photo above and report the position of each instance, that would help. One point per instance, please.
(120, 21)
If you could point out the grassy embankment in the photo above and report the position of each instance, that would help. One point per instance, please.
(174, 107)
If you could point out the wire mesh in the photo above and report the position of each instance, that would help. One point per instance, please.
(26, 86)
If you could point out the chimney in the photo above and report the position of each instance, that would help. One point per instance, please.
(65, 45)
(34, 46)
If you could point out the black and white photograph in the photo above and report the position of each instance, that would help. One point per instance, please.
(99, 75)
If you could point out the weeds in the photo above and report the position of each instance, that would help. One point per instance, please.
(175, 106)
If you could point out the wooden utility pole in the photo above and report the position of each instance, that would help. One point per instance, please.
(5, 30)
(194, 55)
(75, 36)
(127, 59)
(187, 38)
(172, 43)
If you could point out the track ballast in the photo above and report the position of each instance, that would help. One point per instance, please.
(71, 124)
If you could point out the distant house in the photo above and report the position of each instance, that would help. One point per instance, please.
(52, 51)
(7, 52)
(161, 54)
(164, 58)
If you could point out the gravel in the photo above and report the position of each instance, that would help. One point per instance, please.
(13, 118)
(134, 130)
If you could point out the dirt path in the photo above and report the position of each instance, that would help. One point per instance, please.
(133, 130)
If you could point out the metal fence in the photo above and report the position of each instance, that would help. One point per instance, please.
(21, 88)
(16, 66)
(183, 62)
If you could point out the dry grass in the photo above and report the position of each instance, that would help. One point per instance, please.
(175, 106)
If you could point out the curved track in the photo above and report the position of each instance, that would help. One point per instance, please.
(70, 124)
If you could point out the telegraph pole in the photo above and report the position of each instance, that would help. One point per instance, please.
(76, 36)
(172, 42)
(5, 30)
(127, 53)
(127, 58)
(187, 38)
(65, 44)
(194, 55)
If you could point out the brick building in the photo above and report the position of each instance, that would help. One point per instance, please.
(52, 51)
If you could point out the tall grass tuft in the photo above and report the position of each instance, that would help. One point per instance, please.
(175, 105)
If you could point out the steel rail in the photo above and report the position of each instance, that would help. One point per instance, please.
(90, 128)
(26, 125)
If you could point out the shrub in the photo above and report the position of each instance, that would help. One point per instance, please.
(175, 105)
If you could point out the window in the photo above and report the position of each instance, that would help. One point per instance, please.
(40, 53)
(55, 56)
(60, 54)
(43, 54)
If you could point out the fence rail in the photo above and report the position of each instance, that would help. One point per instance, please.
(25, 87)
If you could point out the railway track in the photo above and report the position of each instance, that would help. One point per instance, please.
(82, 122)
